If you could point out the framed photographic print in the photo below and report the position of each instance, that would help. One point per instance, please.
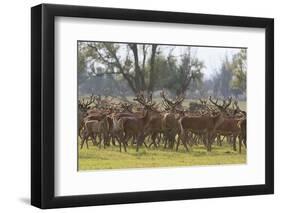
(139, 106)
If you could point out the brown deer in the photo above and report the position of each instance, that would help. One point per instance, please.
(83, 107)
(153, 126)
(134, 125)
(234, 126)
(95, 128)
(206, 124)
(170, 123)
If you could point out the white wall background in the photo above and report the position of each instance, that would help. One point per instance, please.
(15, 105)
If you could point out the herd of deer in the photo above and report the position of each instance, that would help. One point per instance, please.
(166, 124)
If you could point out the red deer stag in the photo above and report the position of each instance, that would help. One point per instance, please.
(205, 124)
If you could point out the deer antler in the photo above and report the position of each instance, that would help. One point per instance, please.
(85, 104)
(166, 100)
(203, 102)
(127, 106)
(171, 104)
(179, 100)
(224, 105)
(214, 102)
(143, 101)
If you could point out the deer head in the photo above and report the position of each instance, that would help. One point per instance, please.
(84, 105)
(222, 107)
(169, 104)
(146, 102)
(127, 107)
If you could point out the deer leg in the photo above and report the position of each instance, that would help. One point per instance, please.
(240, 143)
(178, 143)
(84, 134)
(221, 139)
(209, 146)
(93, 139)
(191, 139)
(104, 140)
(120, 146)
(234, 143)
(124, 145)
(185, 146)
(87, 144)
(245, 142)
(143, 140)
(125, 137)
(174, 139)
(196, 139)
(120, 139)
(137, 149)
(153, 138)
(82, 143)
(133, 140)
(202, 139)
(113, 139)
(79, 131)
(86, 137)
(171, 144)
(140, 141)
(205, 141)
(100, 142)
(158, 139)
(182, 137)
(165, 141)
(209, 142)
(217, 138)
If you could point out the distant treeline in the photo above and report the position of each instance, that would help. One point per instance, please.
(113, 69)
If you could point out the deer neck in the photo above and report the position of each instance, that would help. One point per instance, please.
(145, 117)
(218, 120)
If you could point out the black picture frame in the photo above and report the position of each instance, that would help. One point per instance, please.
(43, 102)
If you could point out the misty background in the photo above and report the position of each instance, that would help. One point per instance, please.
(124, 69)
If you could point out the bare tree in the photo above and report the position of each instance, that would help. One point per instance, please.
(189, 70)
(133, 68)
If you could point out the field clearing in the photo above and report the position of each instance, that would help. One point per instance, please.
(110, 157)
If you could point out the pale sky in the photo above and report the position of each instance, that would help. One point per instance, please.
(211, 56)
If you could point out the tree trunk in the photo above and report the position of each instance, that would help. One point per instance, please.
(151, 73)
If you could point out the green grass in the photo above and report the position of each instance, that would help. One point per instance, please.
(110, 157)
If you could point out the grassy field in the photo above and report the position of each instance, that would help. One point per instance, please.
(110, 158)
